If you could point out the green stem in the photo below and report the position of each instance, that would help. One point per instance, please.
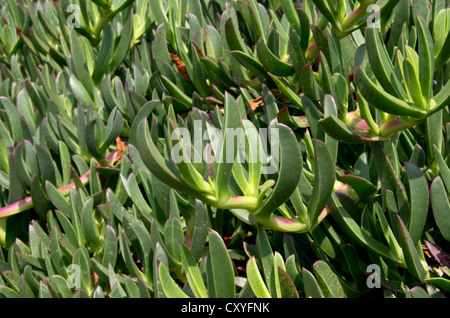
(2, 232)
(27, 203)
(239, 202)
(396, 125)
(98, 28)
(282, 224)
(353, 17)
(366, 114)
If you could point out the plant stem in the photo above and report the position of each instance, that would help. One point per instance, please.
(240, 202)
(282, 224)
(27, 203)
(396, 125)
(353, 17)
(99, 25)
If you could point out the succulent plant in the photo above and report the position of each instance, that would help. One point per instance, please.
(224, 149)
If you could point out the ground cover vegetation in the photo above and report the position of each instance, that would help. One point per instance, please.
(118, 117)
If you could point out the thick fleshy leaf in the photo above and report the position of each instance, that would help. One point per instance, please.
(182, 102)
(292, 122)
(89, 224)
(325, 74)
(382, 100)
(222, 267)
(224, 77)
(196, 73)
(426, 57)
(291, 14)
(47, 166)
(251, 63)
(412, 83)
(113, 129)
(419, 199)
(79, 61)
(235, 42)
(170, 287)
(117, 290)
(366, 114)
(434, 136)
(58, 286)
(157, 164)
(223, 157)
(143, 246)
(173, 237)
(363, 188)
(328, 280)
(441, 206)
(57, 199)
(361, 236)
(128, 259)
(389, 178)
(287, 287)
(439, 282)
(322, 44)
(40, 201)
(110, 247)
(200, 234)
(289, 172)
(100, 270)
(330, 108)
(11, 293)
(340, 131)
(131, 287)
(312, 288)
(255, 156)
(13, 116)
(264, 254)
(381, 64)
(442, 99)
(91, 140)
(410, 253)
(444, 170)
(271, 62)
(135, 193)
(296, 53)
(67, 227)
(161, 52)
(81, 258)
(180, 151)
(308, 83)
(255, 279)
(287, 91)
(443, 55)
(123, 46)
(387, 231)
(193, 273)
(314, 116)
(324, 177)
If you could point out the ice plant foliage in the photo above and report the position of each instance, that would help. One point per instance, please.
(222, 148)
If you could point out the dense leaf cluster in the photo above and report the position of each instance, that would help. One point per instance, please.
(93, 95)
